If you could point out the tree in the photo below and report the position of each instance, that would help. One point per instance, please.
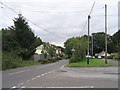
(80, 46)
(99, 42)
(25, 37)
(116, 39)
(68, 47)
(8, 42)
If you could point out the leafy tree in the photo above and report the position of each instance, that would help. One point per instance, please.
(80, 46)
(8, 42)
(116, 41)
(68, 47)
(23, 32)
(21, 38)
(51, 51)
(99, 42)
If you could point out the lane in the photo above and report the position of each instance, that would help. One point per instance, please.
(11, 78)
(93, 77)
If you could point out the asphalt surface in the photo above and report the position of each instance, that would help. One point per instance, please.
(11, 78)
(56, 75)
(100, 77)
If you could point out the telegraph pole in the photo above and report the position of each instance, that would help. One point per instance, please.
(105, 34)
(88, 38)
(92, 45)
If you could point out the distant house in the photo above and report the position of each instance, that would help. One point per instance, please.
(59, 52)
(102, 54)
(42, 52)
(38, 54)
(39, 49)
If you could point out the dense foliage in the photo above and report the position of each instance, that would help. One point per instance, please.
(116, 41)
(20, 39)
(18, 44)
(99, 43)
(79, 44)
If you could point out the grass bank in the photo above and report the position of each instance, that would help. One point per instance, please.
(10, 61)
(93, 63)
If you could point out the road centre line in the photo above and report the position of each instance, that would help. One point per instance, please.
(31, 79)
(66, 87)
(34, 78)
(23, 87)
(38, 76)
(42, 74)
(18, 72)
(13, 87)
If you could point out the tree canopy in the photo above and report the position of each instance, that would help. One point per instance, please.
(99, 42)
(20, 38)
(79, 44)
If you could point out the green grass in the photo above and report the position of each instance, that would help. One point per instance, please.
(10, 61)
(0, 60)
(29, 63)
(92, 63)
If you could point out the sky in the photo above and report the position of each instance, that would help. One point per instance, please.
(57, 20)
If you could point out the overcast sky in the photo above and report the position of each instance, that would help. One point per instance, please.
(61, 18)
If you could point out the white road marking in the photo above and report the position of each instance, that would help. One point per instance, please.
(28, 80)
(20, 84)
(13, 87)
(42, 74)
(18, 72)
(23, 87)
(38, 76)
(66, 87)
(46, 73)
(34, 78)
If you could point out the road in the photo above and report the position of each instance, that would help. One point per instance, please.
(57, 75)
(14, 77)
(101, 77)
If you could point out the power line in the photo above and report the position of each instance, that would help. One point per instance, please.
(87, 17)
(92, 8)
(31, 21)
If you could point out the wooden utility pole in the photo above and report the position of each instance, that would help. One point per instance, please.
(92, 45)
(105, 34)
(88, 39)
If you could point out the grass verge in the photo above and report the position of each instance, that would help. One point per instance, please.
(92, 63)
(10, 61)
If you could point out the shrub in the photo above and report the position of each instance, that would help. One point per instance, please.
(45, 61)
(10, 60)
(110, 57)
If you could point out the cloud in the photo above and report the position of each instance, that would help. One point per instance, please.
(61, 18)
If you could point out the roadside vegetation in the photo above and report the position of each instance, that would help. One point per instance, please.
(93, 63)
(19, 44)
(76, 47)
(11, 60)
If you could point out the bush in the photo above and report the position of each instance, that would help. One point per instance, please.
(117, 56)
(110, 57)
(10, 60)
(73, 60)
(45, 61)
